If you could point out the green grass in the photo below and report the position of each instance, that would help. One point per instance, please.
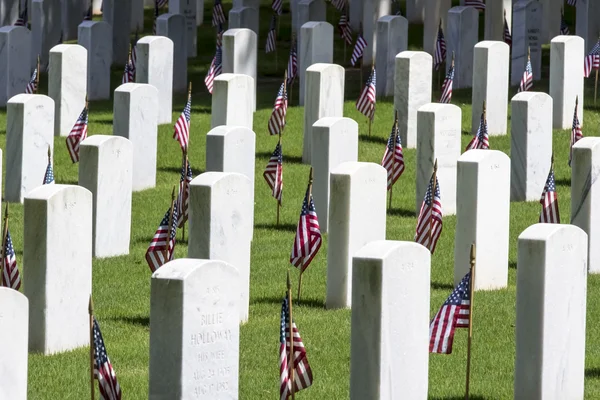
(121, 285)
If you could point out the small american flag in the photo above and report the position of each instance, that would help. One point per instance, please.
(429, 223)
(277, 6)
(134, 54)
(272, 36)
(340, 5)
(393, 158)
(440, 49)
(564, 28)
(549, 201)
(507, 35)
(447, 86)
(31, 87)
(592, 60)
(302, 372)
(277, 119)
(182, 126)
(10, 272)
(77, 135)
(274, 173)
(215, 69)
(527, 80)
(218, 16)
(22, 20)
(345, 29)
(572, 2)
(183, 198)
(478, 4)
(155, 255)
(308, 235)
(455, 313)
(103, 369)
(481, 140)
(359, 48)
(576, 132)
(367, 99)
(292, 68)
(49, 175)
(127, 73)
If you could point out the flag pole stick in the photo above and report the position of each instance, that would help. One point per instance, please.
(91, 314)
(370, 118)
(291, 333)
(434, 177)
(4, 238)
(279, 202)
(470, 340)
(439, 69)
(393, 157)
(309, 194)
(37, 78)
(185, 188)
(596, 88)
(166, 251)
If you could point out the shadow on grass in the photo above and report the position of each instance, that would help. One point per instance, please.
(281, 227)
(69, 182)
(512, 265)
(592, 373)
(310, 302)
(195, 172)
(373, 139)
(440, 286)
(401, 212)
(286, 158)
(471, 397)
(137, 320)
(563, 182)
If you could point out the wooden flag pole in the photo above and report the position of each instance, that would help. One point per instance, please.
(308, 194)
(393, 157)
(470, 340)
(434, 178)
(37, 77)
(4, 238)
(91, 314)
(291, 333)
(166, 251)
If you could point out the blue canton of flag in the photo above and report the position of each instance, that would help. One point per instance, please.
(49, 176)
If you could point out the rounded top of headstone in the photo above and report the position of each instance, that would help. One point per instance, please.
(132, 87)
(64, 48)
(224, 130)
(321, 67)
(528, 96)
(228, 77)
(183, 268)
(95, 24)
(13, 299)
(155, 40)
(102, 140)
(25, 98)
(46, 192)
(479, 155)
(489, 44)
(331, 122)
(589, 142)
(11, 28)
(239, 32)
(543, 232)
(391, 18)
(415, 55)
(169, 16)
(314, 24)
(436, 107)
(567, 38)
(356, 167)
(213, 178)
(381, 249)
(462, 9)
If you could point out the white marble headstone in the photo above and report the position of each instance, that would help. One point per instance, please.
(413, 89)
(357, 216)
(588, 22)
(135, 118)
(155, 67)
(96, 37)
(105, 169)
(240, 56)
(552, 19)
(437, 10)
(315, 45)
(551, 312)
(57, 260)
(137, 15)
(47, 16)
(67, 85)
(9, 12)
(73, 12)
(482, 217)
(29, 126)
(324, 98)
(355, 8)
(585, 186)
(526, 34)
(14, 320)
(392, 38)
(566, 80)
(494, 18)
(415, 11)
(334, 141)
(173, 26)
(244, 17)
(490, 84)
(188, 9)
(221, 226)
(232, 100)
(461, 37)
(311, 11)
(118, 15)
(372, 11)
(194, 331)
(389, 341)
(15, 63)
(438, 138)
(530, 145)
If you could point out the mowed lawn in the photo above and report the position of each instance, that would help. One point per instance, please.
(121, 285)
